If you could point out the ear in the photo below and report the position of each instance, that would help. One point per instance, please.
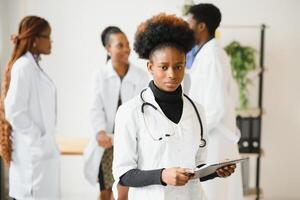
(149, 67)
(201, 26)
(108, 49)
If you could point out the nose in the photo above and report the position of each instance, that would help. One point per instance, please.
(171, 73)
(127, 49)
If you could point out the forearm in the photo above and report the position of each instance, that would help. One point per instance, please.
(209, 177)
(141, 178)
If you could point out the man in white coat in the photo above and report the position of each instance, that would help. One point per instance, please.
(213, 87)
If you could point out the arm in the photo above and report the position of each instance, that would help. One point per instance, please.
(141, 178)
(222, 173)
(16, 102)
(208, 177)
(125, 143)
(97, 114)
(202, 153)
(214, 99)
(125, 167)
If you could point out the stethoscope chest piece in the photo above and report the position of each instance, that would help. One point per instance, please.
(202, 143)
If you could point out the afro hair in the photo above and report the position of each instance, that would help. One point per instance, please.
(160, 31)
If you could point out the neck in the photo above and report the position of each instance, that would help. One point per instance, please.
(205, 38)
(162, 95)
(34, 52)
(36, 56)
(120, 68)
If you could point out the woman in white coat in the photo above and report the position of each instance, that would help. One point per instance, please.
(213, 87)
(114, 84)
(160, 134)
(28, 116)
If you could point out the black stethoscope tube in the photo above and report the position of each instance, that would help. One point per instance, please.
(203, 141)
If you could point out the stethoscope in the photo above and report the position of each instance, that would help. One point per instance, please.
(202, 140)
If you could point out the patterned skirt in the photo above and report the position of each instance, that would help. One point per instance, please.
(105, 176)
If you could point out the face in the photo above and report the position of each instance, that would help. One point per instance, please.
(43, 42)
(197, 27)
(118, 48)
(167, 66)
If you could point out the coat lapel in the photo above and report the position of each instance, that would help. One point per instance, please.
(47, 96)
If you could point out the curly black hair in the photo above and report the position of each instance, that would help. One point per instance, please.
(163, 31)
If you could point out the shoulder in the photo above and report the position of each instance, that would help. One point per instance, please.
(198, 106)
(101, 73)
(131, 106)
(137, 71)
(200, 109)
(210, 49)
(129, 110)
(23, 66)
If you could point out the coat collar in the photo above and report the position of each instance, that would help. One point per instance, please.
(129, 77)
(148, 97)
(32, 60)
(38, 68)
(204, 49)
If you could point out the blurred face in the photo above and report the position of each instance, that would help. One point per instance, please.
(43, 42)
(118, 48)
(167, 66)
(197, 27)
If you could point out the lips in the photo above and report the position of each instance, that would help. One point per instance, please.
(171, 83)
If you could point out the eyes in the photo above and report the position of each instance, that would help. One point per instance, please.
(176, 67)
(122, 45)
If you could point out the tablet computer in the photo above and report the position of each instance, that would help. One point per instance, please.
(212, 168)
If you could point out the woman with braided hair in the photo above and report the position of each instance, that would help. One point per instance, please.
(28, 116)
(160, 134)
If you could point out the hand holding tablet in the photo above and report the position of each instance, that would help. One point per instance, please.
(223, 169)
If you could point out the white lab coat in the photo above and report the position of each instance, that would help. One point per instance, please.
(107, 87)
(213, 87)
(134, 147)
(30, 108)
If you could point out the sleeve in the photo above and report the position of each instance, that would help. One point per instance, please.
(141, 178)
(97, 111)
(209, 177)
(16, 102)
(125, 143)
(213, 99)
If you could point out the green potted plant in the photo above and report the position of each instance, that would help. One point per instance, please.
(242, 62)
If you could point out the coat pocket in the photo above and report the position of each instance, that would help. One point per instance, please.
(45, 148)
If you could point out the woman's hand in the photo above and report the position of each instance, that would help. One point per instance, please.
(104, 140)
(226, 171)
(175, 176)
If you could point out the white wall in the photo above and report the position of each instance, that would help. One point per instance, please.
(77, 52)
